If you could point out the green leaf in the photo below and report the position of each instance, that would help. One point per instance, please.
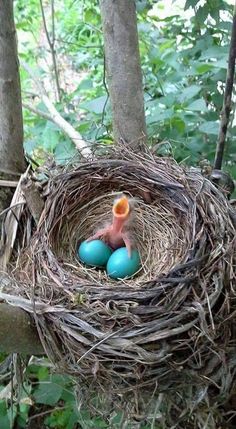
(30, 145)
(48, 393)
(198, 106)
(159, 114)
(95, 106)
(202, 14)
(50, 137)
(85, 84)
(222, 64)
(43, 373)
(64, 151)
(4, 420)
(209, 127)
(190, 3)
(204, 68)
(188, 93)
(22, 421)
(178, 123)
(214, 52)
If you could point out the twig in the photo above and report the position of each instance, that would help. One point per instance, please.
(38, 112)
(8, 183)
(44, 413)
(74, 135)
(227, 97)
(107, 92)
(51, 43)
(11, 207)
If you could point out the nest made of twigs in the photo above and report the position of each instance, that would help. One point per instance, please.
(169, 329)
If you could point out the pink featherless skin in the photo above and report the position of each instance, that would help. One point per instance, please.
(114, 234)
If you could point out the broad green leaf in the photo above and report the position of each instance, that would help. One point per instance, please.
(48, 393)
(202, 14)
(61, 379)
(85, 84)
(190, 3)
(4, 419)
(198, 106)
(43, 373)
(95, 106)
(188, 93)
(142, 5)
(30, 145)
(64, 151)
(178, 124)
(204, 68)
(209, 127)
(214, 52)
(50, 137)
(159, 115)
(222, 64)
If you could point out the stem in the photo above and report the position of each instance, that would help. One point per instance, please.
(51, 44)
(54, 58)
(227, 97)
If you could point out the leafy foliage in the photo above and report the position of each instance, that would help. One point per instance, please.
(48, 400)
(184, 59)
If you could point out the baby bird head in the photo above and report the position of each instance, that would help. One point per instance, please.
(121, 208)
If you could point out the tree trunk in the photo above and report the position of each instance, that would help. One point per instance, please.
(17, 334)
(123, 70)
(11, 123)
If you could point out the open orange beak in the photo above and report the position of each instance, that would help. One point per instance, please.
(121, 208)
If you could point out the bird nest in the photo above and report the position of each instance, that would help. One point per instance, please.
(167, 333)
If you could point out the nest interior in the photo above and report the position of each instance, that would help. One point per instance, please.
(167, 330)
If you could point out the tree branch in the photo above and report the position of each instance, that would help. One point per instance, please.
(39, 112)
(74, 135)
(51, 44)
(227, 97)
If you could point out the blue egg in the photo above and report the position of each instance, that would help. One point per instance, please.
(120, 265)
(95, 253)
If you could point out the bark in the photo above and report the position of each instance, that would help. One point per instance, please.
(17, 333)
(33, 198)
(11, 123)
(227, 97)
(123, 70)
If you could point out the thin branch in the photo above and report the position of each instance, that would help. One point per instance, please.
(51, 44)
(54, 57)
(74, 135)
(8, 183)
(44, 413)
(11, 207)
(53, 119)
(78, 45)
(53, 21)
(107, 92)
(227, 97)
(38, 112)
